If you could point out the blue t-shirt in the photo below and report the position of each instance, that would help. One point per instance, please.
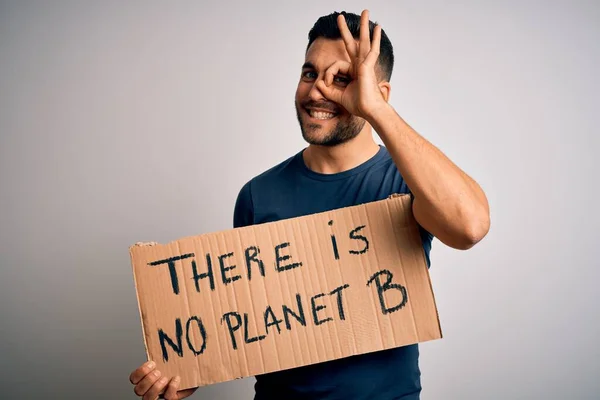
(289, 190)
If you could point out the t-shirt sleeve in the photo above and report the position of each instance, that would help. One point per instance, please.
(426, 236)
(243, 213)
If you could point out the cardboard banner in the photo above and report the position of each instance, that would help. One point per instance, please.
(279, 295)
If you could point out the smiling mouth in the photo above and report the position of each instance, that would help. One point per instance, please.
(321, 115)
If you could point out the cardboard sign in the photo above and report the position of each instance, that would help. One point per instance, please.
(279, 295)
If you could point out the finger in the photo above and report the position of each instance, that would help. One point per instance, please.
(347, 36)
(331, 93)
(186, 393)
(365, 42)
(171, 392)
(156, 389)
(371, 59)
(338, 67)
(146, 383)
(141, 372)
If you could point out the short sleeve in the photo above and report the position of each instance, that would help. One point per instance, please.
(243, 213)
(426, 236)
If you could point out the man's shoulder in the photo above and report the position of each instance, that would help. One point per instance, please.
(276, 173)
(260, 187)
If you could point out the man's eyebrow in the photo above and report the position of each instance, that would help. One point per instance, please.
(308, 65)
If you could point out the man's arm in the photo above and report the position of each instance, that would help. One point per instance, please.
(447, 202)
(243, 211)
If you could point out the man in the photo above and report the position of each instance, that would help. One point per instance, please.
(342, 95)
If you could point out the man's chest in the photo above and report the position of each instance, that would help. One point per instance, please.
(299, 200)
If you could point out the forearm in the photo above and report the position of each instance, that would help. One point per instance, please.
(448, 203)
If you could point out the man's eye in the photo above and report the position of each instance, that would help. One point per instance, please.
(309, 75)
(342, 80)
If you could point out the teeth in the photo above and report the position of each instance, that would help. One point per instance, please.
(321, 114)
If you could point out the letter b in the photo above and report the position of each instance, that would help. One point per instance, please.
(387, 285)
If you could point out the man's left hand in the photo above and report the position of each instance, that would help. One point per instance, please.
(354, 85)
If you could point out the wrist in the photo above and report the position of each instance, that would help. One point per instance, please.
(378, 113)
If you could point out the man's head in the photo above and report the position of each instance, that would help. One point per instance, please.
(327, 27)
(324, 122)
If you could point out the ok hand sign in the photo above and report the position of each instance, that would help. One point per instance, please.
(362, 96)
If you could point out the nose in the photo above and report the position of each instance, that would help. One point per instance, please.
(315, 94)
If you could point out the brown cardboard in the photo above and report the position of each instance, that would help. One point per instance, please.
(373, 242)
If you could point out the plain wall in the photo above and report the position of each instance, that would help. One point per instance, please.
(139, 121)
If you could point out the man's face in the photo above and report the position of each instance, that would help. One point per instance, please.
(322, 121)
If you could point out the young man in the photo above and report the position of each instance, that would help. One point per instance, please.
(341, 96)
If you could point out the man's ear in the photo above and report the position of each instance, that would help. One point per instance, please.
(385, 89)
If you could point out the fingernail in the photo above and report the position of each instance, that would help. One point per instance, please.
(151, 364)
(156, 373)
(176, 379)
(163, 380)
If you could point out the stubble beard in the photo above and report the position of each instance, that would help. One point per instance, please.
(342, 132)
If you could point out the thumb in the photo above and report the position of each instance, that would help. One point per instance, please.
(332, 92)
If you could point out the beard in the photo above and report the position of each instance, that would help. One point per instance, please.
(342, 132)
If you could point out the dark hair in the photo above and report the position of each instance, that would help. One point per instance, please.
(327, 27)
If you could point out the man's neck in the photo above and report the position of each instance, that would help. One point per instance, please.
(340, 158)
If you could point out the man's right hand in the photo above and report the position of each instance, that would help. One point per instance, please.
(149, 383)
